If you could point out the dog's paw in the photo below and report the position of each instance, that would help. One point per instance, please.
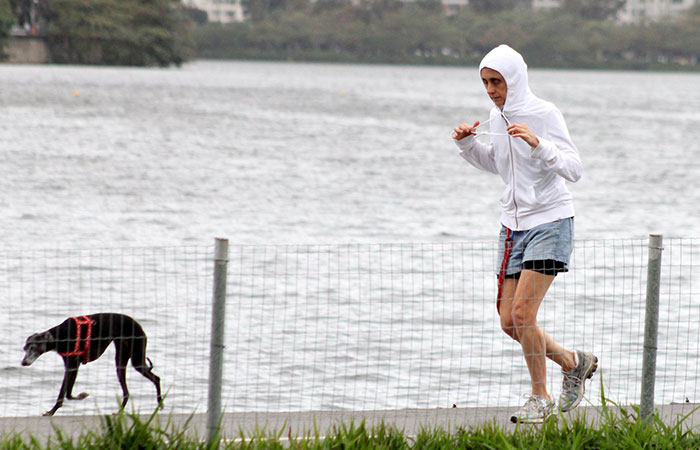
(80, 396)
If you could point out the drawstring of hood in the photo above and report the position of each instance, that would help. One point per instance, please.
(505, 118)
(488, 133)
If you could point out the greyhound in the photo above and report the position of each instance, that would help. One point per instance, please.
(84, 339)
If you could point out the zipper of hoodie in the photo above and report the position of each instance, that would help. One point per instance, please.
(512, 169)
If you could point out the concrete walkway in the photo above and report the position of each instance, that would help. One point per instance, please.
(300, 424)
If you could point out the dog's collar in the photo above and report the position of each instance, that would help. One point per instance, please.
(77, 350)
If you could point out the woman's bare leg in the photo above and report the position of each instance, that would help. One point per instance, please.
(519, 305)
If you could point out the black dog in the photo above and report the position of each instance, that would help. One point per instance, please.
(84, 339)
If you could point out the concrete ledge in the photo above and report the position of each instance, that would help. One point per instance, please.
(28, 50)
(301, 424)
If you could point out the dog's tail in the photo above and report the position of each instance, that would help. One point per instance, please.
(149, 362)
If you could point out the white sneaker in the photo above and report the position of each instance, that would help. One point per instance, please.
(535, 410)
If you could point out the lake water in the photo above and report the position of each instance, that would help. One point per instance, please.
(316, 172)
(305, 153)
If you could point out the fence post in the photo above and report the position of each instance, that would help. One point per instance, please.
(651, 326)
(216, 345)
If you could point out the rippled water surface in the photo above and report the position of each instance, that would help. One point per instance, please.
(146, 161)
(306, 153)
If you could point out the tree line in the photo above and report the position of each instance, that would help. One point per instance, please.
(6, 21)
(114, 32)
(580, 34)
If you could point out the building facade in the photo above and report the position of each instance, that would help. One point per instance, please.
(220, 11)
(637, 11)
(454, 6)
(543, 4)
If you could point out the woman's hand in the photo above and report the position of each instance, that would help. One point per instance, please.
(521, 130)
(463, 130)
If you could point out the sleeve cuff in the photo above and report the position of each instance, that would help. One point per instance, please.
(543, 151)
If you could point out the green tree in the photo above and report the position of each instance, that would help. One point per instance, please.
(688, 38)
(491, 6)
(124, 32)
(6, 21)
(418, 32)
(20, 9)
(197, 16)
(259, 10)
(377, 9)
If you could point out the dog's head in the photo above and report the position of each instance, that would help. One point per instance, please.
(36, 345)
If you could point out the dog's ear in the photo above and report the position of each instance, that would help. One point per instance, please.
(38, 339)
(46, 335)
(30, 339)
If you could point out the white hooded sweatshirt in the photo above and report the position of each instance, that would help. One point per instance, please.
(535, 191)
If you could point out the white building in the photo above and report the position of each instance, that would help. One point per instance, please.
(454, 6)
(221, 11)
(539, 4)
(652, 10)
(636, 11)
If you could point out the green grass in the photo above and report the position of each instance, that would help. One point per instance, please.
(617, 428)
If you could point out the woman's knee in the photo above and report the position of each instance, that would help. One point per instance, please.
(508, 327)
(523, 314)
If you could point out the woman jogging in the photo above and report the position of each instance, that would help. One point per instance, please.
(530, 148)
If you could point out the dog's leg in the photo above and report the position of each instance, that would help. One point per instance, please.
(71, 372)
(121, 359)
(138, 360)
(147, 372)
(80, 396)
(71, 383)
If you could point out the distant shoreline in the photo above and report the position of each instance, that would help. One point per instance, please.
(40, 57)
(444, 62)
(415, 36)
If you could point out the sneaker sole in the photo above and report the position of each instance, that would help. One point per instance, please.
(591, 370)
(515, 420)
(537, 421)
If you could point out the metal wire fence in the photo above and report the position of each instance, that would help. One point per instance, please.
(344, 327)
(167, 290)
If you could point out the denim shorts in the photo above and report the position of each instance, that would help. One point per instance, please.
(550, 242)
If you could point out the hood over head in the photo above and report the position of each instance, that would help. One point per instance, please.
(511, 65)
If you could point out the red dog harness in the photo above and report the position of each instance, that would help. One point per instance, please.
(504, 265)
(80, 322)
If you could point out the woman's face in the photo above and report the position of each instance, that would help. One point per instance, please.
(495, 85)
